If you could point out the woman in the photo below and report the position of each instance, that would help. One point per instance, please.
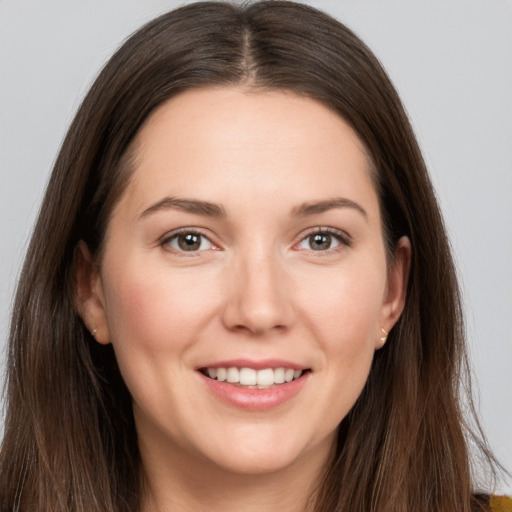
(239, 292)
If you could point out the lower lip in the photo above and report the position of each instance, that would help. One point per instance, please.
(251, 399)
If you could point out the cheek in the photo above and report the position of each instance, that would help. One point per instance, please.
(154, 311)
(155, 317)
(344, 306)
(345, 321)
(343, 309)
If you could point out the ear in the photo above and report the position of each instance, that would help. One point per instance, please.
(394, 299)
(88, 294)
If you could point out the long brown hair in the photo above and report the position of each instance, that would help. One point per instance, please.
(70, 441)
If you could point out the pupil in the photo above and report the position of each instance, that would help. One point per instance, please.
(189, 242)
(320, 242)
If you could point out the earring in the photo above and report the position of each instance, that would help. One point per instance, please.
(385, 337)
(94, 331)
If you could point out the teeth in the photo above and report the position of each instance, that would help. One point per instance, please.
(247, 376)
(261, 379)
(266, 377)
(278, 375)
(233, 375)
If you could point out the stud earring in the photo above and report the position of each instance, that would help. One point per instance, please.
(94, 331)
(385, 337)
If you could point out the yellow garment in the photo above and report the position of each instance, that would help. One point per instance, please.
(501, 504)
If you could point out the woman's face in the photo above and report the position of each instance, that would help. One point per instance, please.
(247, 246)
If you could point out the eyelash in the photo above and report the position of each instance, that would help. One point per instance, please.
(168, 239)
(340, 236)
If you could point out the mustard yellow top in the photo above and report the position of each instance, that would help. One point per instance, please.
(501, 504)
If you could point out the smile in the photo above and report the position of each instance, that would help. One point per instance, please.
(254, 386)
(251, 378)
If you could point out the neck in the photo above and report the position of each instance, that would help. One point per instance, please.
(177, 480)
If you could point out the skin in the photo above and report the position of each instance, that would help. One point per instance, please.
(256, 289)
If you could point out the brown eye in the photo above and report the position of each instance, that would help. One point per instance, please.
(320, 241)
(323, 241)
(189, 241)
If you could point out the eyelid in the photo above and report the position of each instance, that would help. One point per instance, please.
(342, 236)
(165, 240)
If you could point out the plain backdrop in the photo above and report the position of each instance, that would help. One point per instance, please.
(452, 64)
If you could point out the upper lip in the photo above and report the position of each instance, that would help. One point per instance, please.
(260, 364)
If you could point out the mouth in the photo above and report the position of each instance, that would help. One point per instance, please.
(255, 386)
(250, 378)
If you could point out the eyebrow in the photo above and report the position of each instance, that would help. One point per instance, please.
(194, 206)
(317, 207)
(209, 209)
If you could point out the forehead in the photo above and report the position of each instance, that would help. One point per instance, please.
(237, 144)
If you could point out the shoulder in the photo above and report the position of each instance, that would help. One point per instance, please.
(501, 504)
(491, 503)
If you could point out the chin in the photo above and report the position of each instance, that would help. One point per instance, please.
(257, 464)
(259, 454)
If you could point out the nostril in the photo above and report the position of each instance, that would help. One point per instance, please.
(257, 303)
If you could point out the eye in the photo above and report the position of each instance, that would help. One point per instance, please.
(323, 240)
(188, 241)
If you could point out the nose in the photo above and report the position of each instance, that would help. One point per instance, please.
(259, 295)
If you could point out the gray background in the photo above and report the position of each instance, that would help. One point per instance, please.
(452, 64)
